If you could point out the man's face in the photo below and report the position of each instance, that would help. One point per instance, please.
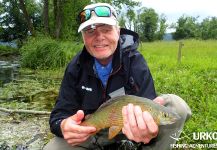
(101, 41)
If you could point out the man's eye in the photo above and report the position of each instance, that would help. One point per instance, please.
(90, 31)
(105, 30)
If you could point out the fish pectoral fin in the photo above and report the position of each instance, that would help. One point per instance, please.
(113, 131)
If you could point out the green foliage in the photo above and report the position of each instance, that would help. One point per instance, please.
(12, 17)
(46, 53)
(194, 79)
(187, 27)
(209, 28)
(122, 22)
(131, 18)
(13, 20)
(1, 8)
(36, 89)
(162, 28)
(147, 26)
(70, 25)
(8, 50)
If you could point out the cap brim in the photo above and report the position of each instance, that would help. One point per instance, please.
(96, 20)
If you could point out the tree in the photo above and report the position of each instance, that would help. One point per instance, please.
(65, 16)
(209, 28)
(131, 18)
(13, 21)
(58, 17)
(1, 8)
(122, 22)
(162, 28)
(46, 16)
(147, 25)
(26, 16)
(187, 27)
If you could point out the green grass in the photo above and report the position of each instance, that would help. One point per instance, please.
(194, 79)
(47, 53)
(5, 50)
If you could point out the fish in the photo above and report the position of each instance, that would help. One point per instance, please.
(109, 114)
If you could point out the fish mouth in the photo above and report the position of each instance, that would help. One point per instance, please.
(175, 118)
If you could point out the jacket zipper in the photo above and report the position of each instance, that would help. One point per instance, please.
(105, 89)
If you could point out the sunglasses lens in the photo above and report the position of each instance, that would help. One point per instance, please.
(84, 15)
(100, 11)
(103, 11)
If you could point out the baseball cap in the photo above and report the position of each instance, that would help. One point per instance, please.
(99, 13)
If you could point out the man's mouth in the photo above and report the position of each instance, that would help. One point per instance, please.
(100, 46)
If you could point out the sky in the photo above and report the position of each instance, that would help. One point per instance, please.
(173, 9)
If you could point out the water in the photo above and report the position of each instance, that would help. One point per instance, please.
(8, 71)
(12, 44)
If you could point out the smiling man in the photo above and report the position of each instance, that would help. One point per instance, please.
(109, 62)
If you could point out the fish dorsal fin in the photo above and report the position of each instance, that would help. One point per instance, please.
(113, 131)
(110, 101)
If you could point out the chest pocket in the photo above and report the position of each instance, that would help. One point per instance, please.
(90, 95)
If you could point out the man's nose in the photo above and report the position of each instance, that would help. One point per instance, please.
(99, 34)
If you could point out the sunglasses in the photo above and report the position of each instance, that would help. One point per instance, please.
(100, 11)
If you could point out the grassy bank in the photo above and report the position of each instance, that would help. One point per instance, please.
(47, 53)
(194, 79)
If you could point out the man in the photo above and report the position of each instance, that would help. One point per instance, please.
(109, 65)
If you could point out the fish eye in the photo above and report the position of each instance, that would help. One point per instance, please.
(165, 114)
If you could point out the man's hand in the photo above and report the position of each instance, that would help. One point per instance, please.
(139, 126)
(72, 132)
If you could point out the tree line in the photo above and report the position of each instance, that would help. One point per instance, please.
(58, 19)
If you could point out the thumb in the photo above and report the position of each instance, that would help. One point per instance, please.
(159, 100)
(78, 116)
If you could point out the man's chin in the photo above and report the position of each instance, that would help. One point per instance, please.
(104, 58)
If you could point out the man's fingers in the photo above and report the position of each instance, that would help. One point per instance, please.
(150, 123)
(139, 119)
(80, 129)
(138, 126)
(124, 114)
(78, 116)
(126, 128)
(71, 135)
(131, 118)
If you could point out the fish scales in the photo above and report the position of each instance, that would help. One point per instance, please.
(109, 114)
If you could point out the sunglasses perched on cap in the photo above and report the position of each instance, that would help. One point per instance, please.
(100, 11)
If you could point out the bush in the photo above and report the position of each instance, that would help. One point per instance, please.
(44, 53)
(8, 50)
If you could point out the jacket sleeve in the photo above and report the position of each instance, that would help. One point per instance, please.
(67, 102)
(141, 77)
